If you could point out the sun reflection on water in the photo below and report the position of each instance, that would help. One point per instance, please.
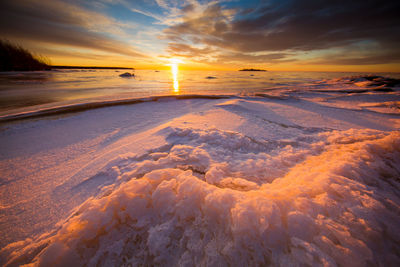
(174, 70)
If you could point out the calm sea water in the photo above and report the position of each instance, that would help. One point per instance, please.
(64, 87)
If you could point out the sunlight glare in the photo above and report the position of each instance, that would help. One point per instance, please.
(174, 70)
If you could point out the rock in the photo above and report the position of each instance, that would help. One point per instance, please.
(127, 75)
(211, 77)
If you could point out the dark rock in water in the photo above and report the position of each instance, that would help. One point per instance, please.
(251, 74)
(127, 75)
(211, 77)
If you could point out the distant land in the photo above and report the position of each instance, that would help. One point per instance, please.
(251, 70)
(93, 67)
(17, 58)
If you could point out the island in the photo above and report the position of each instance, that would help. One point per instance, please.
(251, 70)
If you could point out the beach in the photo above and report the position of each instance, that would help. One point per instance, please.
(266, 169)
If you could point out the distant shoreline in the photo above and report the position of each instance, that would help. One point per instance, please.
(92, 67)
(251, 70)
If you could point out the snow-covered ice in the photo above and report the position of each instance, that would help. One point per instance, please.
(290, 178)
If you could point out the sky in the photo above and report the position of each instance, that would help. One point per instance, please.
(281, 35)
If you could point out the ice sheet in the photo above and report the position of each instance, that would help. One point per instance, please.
(298, 178)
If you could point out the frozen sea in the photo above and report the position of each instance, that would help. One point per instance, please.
(32, 91)
(199, 169)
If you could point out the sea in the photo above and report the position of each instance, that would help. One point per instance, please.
(30, 91)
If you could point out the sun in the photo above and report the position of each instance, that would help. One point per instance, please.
(175, 60)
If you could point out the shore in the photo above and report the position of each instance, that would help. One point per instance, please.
(306, 177)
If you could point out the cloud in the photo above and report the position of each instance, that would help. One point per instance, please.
(280, 27)
(251, 58)
(212, 55)
(146, 13)
(208, 23)
(58, 22)
(309, 25)
(184, 49)
(372, 58)
(223, 32)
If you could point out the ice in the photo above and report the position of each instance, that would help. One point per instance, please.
(194, 206)
(302, 178)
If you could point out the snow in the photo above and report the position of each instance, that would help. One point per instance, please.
(300, 178)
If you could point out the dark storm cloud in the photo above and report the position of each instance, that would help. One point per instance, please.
(305, 25)
(57, 22)
(309, 25)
